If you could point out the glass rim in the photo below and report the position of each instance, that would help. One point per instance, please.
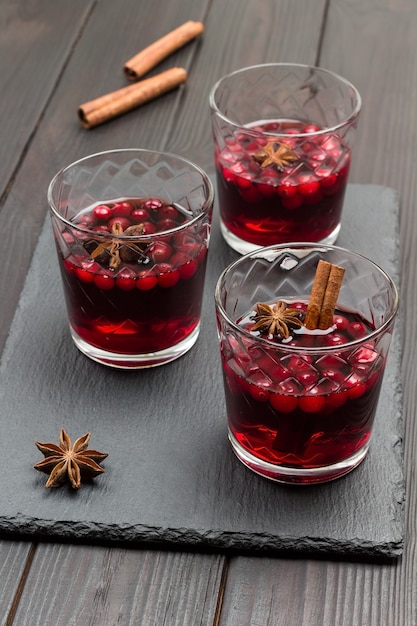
(307, 349)
(328, 129)
(208, 203)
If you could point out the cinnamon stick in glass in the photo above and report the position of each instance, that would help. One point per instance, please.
(116, 103)
(323, 297)
(150, 56)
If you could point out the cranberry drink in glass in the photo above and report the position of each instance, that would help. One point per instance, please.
(283, 137)
(301, 400)
(132, 231)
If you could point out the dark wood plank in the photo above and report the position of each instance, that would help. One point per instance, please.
(96, 586)
(373, 44)
(240, 34)
(60, 139)
(37, 39)
(13, 559)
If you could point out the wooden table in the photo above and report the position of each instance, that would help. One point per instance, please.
(56, 55)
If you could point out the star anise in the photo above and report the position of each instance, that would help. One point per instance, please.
(69, 462)
(117, 250)
(275, 153)
(275, 319)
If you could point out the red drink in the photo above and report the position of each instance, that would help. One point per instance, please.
(140, 297)
(305, 409)
(298, 201)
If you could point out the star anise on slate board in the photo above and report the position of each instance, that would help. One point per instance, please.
(67, 462)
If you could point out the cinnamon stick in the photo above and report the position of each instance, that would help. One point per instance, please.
(323, 297)
(145, 60)
(116, 103)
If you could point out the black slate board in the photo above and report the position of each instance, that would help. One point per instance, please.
(171, 477)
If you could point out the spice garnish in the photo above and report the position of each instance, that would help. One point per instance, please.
(275, 319)
(275, 153)
(69, 462)
(324, 294)
(114, 247)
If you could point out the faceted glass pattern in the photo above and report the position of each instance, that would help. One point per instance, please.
(302, 414)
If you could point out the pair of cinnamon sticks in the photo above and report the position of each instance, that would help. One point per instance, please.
(113, 104)
(323, 297)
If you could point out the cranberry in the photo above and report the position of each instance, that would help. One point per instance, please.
(337, 400)
(292, 202)
(341, 322)
(86, 221)
(126, 280)
(84, 275)
(312, 404)
(153, 203)
(148, 228)
(267, 188)
(159, 251)
(287, 189)
(188, 269)
(309, 188)
(101, 228)
(167, 275)
(122, 209)
(146, 280)
(357, 330)
(166, 224)
(123, 221)
(260, 394)
(102, 212)
(139, 214)
(310, 128)
(168, 211)
(104, 281)
(283, 403)
(250, 195)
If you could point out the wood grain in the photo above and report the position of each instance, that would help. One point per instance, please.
(98, 586)
(372, 43)
(359, 44)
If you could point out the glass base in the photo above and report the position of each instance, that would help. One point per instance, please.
(136, 361)
(244, 247)
(294, 476)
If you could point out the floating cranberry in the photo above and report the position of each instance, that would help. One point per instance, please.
(159, 251)
(267, 189)
(101, 228)
(312, 404)
(84, 275)
(102, 212)
(126, 280)
(153, 203)
(167, 275)
(146, 280)
(287, 189)
(148, 228)
(189, 269)
(122, 209)
(169, 211)
(309, 188)
(341, 322)
(139, 214)
(123, 222)
(283, 403)
(337, 399)
(260, 394)
(86, 220)
(104, 281)
(310, 128)
(357, 330)
(166, 224)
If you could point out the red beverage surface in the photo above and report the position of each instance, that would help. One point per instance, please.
(303, 409)
(303, 202)
(152, 299)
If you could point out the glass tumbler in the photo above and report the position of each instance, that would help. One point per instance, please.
(132, 231)
(283, 136)
(301, 409)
